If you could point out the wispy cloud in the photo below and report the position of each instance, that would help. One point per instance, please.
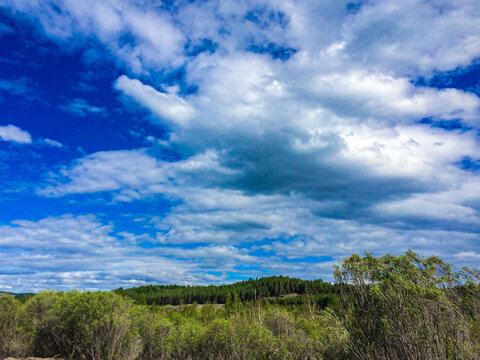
(80, 107)
(83, 86)
(52, 143)
(21, 87)
(65, 249)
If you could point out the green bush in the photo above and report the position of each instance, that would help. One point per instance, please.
(398, 307)
(154, 329)
(186, 341)
(12, 342)
(81, 325)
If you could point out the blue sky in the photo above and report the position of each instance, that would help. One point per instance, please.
(203, 142)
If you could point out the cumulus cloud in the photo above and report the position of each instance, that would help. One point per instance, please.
(107, 171)
(393, 36)
(68, 233)
(130, 174)
(385, 97)
(274, 141)
(138, 37)
(209, 214)
(281, 125)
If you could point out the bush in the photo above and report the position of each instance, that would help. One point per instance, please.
(186, 342)
(12, 342)
(81, 325)
(398, 307)
(240, 338)
(154, 329)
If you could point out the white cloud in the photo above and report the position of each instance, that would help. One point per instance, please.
(139, 38)
(168, 107)
(459, 204)
(108, 171)
(371, 95)
(14, 134)
(130, 174)
(75, 234)
(53, 143)
(419, 151)
(414, 36)
(70, 252)
(214, 257)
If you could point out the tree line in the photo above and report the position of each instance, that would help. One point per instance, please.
(249, 290)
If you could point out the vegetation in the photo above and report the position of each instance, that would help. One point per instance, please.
(390, 307)
(409, 307)
(250, 290)
(21, 296)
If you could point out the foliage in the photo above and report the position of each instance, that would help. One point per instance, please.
(248, 290)
(391, 307)
(11, 339)
(406, 307)
(80, 325)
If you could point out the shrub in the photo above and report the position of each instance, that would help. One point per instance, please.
(12, 341)
(404, 307)
(81, 325)
(154, 329)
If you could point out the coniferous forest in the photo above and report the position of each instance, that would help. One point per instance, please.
(279, 289)
(389, 307)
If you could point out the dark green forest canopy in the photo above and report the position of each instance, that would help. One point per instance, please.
(249, 290)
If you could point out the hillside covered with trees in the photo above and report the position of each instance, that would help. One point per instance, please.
(389, 307)
(250, 290)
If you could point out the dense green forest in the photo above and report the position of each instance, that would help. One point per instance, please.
(250, 290)
(389, 307)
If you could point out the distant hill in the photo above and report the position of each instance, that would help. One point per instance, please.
(19, 296)
(273, 288)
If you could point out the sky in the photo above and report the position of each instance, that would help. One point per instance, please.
(210, 141)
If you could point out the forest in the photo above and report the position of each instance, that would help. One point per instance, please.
(388, 307)
(272, 288)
